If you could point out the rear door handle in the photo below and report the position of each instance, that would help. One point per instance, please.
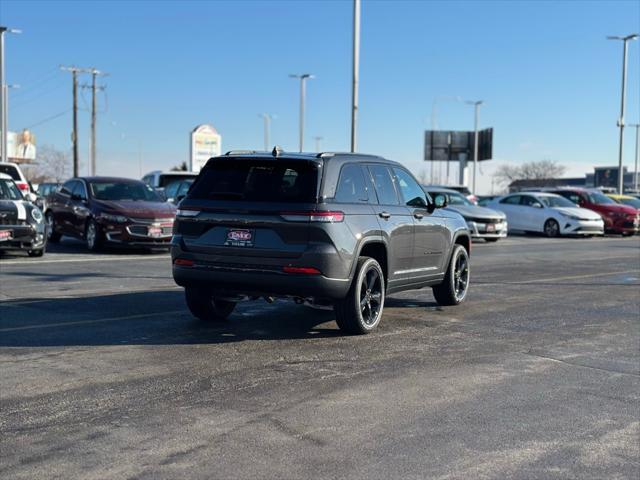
(384, 215)
(419, 216)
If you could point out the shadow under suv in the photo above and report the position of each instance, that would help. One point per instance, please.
(331, 230)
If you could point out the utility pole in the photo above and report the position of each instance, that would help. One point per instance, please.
(625, 41)
(356, 73)
(476, 105)
(94, 73)
(267, 129)
(318, 140)
(4, 96)
(303, 93)
(74, 136)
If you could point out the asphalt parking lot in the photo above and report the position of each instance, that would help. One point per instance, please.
(104, 374)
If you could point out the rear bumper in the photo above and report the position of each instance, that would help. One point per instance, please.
(234, 280)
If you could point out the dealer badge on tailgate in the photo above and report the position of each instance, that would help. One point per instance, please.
(239, 238)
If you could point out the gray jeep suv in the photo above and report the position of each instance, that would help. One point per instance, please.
(334, 230)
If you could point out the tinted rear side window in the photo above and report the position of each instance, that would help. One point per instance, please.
(383, 183)
(255, 180)
(351, 186)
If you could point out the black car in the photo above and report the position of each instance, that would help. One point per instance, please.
(332, 230)
(22, 225)
(103, 210)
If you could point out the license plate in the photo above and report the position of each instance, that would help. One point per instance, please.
(155, 232)
(239, 238)
(5, 235)
(491, 227)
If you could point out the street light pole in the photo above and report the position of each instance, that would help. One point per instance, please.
(625, 41)
(318, 140)
(4, 96)
(303, 93)
(635, 170)
(476, 105)
(356, 73)
(267, 129)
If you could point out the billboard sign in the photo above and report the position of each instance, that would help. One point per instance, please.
(445, 146)
(21, 147)
(206, 142)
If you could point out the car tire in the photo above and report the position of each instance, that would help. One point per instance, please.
(203, 305)
(36, 253)
(361, 310)
(93, 236)
(52, 235)
(551, 228)
(453, 289)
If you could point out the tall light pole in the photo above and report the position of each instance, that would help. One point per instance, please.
(356, 73)
(635, 170)
(476, 105)
(267, 129)
(318, 140)
(625, 41)
(4, 96)
(303, 93)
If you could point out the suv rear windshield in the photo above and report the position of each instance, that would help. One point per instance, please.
(11, 171)
(256, 180)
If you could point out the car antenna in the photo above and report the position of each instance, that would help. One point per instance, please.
(277, 151)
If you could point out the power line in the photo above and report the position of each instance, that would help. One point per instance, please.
(48, 119)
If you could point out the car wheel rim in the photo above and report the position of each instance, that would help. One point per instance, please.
(371, 297)
(552, 229)
(49, 226)
(91, 235)
(461, 276)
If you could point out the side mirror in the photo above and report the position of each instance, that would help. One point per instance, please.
(440, 200)
(537, 205)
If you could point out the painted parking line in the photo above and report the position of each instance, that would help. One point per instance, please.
(86, 259)
(574, 277)
(89, 322)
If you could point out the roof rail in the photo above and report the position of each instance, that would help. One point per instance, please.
(354, 154)
(240, 152)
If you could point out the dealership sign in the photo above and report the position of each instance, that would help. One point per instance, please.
(205, 143)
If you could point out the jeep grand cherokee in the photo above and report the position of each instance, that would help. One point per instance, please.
(334, 229)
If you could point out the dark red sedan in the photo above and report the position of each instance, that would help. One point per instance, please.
(103, 210)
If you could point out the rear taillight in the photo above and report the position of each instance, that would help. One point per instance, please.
(301, 270)
(23, 186)
(313, 216)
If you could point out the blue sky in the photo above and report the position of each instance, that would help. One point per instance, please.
(550, 80)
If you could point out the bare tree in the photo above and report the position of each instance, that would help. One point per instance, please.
(52, 165)
(541, 170)
(180, 168)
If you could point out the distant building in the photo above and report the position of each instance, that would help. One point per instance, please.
(601, 177)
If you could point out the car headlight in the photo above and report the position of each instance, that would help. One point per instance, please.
(36, 214)
(107, 217)
(567, 215)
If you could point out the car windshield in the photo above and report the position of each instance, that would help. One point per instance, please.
(632, 202)
(458, 199)
(257, 180)
(556, 201)
(123, 191)
(9, 191)
(597, 197)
